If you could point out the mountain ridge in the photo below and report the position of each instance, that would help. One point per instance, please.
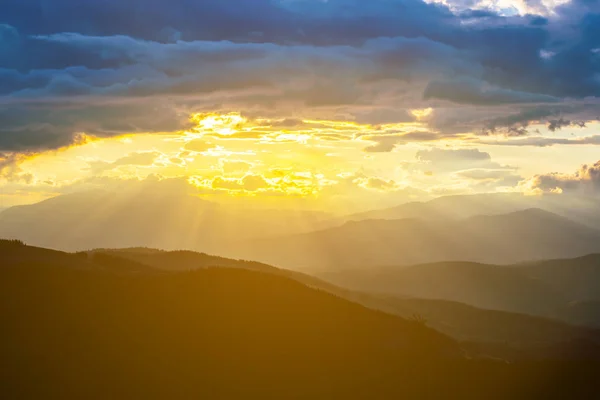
(503, 239)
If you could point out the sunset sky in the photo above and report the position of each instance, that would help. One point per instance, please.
(324, 104)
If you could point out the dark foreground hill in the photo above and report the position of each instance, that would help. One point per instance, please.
(460, 321)
(97, 333)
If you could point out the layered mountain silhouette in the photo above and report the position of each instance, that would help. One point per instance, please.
(531, 234)
(458, 320)
(560, 289)
(580, 209)
(523, 333)
(493, 228)
(102, 219)
(451, 207)
(95, 325)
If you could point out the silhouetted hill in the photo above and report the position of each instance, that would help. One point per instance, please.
(485, 286)
(100, 219)
(564, 289)
(578, 278)
(503, 239)
(188, 260)
(458, 320)
(14, 253)
(581, 313)
(85, 332)
(80, 332)
(455, 319)
(182, 260)
(471, 324)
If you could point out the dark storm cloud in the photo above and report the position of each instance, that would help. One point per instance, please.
(470, 91)
(149, 19)
(275, 21)
(517, 123)
(50, 125)
(379, 55)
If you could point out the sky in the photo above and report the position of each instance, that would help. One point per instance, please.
(321, 104)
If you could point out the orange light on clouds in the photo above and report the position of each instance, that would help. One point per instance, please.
(421, 113)
(223, 124)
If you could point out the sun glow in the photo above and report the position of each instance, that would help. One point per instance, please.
(223, 124)
(422, 113)
(274, 161)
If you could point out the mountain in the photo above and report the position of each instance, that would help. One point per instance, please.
(560, 289)
(484, 286)
(577, 208)
(85, 332)
(503, 239)
(581, 313)
(470, 324)
(182, 260)
(450, 207)
(460, 321)
(102, 219)
(578, 278)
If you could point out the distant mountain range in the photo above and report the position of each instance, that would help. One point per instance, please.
(452, 207)
(86, 220)
(584, 210)
(531, 234)
(558, 289)
(493, 228)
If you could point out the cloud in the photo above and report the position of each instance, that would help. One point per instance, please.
(479, 174)
(387, 143)
(557, 124)
(10, 170)
(368, 187)
(140, 159)
(235, 166)
(453, 156)
(39, 125)
(586, 181)
(379, 184)
(471, 169)
(112, 67)
(489, 179)
(198, 145)
(541, 141)
(516, 124)
(309, 21)
(248, 183)
(470, 91)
